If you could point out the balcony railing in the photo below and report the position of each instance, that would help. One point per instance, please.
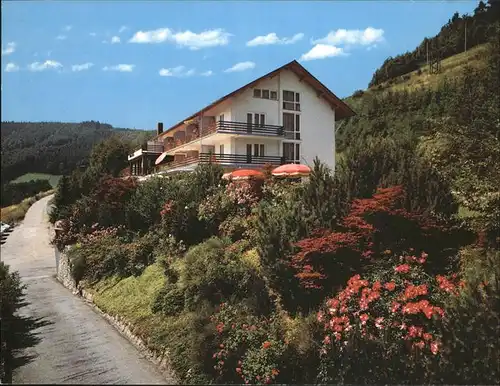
(154, 147)
(245, 128)
(225, 159)
(150, 146)
(226, 127)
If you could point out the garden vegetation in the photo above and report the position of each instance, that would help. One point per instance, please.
(367, 275)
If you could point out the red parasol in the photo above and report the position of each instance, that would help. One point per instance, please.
(292, 170)
(246, 174)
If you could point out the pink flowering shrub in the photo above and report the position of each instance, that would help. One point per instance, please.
(249, 348)
(376, 328)
(245, 193)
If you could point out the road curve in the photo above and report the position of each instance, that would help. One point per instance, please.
(78, 345)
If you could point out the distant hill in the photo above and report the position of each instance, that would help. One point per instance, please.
(54, 147)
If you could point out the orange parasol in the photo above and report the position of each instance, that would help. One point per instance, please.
(292, 170)
(246, 174)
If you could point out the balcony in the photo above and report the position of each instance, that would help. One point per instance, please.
(153, 147)
(192, 132)
(191, 158)
(245, 128)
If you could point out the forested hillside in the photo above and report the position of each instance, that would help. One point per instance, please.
(458, 35)
(453, 115)
(54, 147)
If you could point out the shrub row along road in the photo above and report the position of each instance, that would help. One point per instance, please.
(78, 345)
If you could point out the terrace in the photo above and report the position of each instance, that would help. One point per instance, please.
(192, 158)
(192, 132)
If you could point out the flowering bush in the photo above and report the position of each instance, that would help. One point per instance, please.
(216, 208)
(373, 227)
(376, 328)
(106, 252)
(250, 348)
(245, 193)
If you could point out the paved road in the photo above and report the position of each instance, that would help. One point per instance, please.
(78, 346)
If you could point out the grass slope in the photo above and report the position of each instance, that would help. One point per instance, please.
(451, 68)
(53, 179)
(131, 299)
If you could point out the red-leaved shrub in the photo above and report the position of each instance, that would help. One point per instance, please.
(377, 226)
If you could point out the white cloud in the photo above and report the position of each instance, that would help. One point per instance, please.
(81, 67)
(354, 36)
(122, 29)
(178, 72)
(93, 34)
(242, 66)
(115, 39)
(159, 35)
(272, 38)
(9, 49)
(207, 73)
(47, 65)
(120, 68)
(192, 40)
(322, 51)
(68, 28)
(61, 37)
(11, 67)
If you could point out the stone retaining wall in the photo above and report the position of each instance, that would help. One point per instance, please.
(159, 359)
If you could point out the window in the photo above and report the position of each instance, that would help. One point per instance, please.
(221, 118)
(291, 152)
(255, 120)
(288, 96)
(221, 149)
(258, 150)
(297, 126)
(291, 100)
(265, 94)
(291, 124)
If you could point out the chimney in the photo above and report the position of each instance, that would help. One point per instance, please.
(159, 128)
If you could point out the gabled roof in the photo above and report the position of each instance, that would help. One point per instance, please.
(342, 110)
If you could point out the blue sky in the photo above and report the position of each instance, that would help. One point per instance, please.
(132, 64)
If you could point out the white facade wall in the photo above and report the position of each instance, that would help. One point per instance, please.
(317, 118)
(272, 147)
(246, 103)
